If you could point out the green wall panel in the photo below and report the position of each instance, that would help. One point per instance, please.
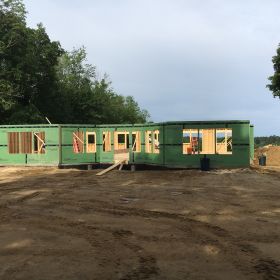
(252, 143)
(68, 156)
(51, 156)
(59, 151)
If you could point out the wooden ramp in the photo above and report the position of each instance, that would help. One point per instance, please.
(121, 162)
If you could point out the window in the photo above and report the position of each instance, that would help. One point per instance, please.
(148, 141)
(190, 141)
(26, 142)
(78, 142)
(39, 142)
(91, 142)
(136, 142)
(106, 141)
(206, 141)
(13, 142)
(121, 140)
(224, 141)
(127, 141)
(156, 142)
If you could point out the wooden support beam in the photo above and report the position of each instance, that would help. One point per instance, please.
(121, 166)
(111, 167)
(75, 135)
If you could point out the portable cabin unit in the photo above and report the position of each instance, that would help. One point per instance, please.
(228, 144)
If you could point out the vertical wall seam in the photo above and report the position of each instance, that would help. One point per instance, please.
(60, 145)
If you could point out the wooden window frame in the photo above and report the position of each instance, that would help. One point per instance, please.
(88, 149)
(148, 141)
(13, 142)
(106, 141)
(136, 146)
(207, 141)
(78, 142)
(227, 132)
(156, 143)
(210, 148)
(117, 143)
(40, 137)
(26, 142)
(191, 147)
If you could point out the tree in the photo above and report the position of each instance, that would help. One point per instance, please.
(274, 85)
(12, 27)
(87, 99)
(28, 59)
(267, 140)
(13, 7)
(38, 78)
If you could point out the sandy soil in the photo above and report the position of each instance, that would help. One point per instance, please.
(71, 224)
(272, 154)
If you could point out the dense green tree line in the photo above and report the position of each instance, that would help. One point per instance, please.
(267, 140)
(39, 79)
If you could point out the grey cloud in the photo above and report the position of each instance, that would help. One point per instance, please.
(180, 59)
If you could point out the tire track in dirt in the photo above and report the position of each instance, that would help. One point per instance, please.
(200, 232)
(248, 256)
(21, 199)
(236, 249)
(269, 268)
(216, 236)
(146, 267)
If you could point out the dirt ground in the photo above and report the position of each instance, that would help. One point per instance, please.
(272, 154)
(71, 224)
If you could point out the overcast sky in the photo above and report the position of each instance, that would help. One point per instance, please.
(180, 59)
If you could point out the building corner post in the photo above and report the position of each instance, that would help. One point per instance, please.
(60, 145)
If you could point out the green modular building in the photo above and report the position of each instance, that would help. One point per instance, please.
(228, 144)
